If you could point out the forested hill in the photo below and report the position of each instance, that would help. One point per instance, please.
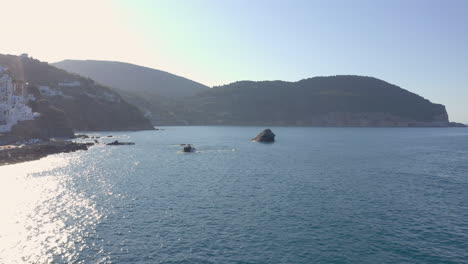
(319, 101)
(343, 100)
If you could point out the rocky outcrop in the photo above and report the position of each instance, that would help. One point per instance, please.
(455, 124)
(265, 136)
(81, 136)
(117, 143)
(189, 148)
(24, 153)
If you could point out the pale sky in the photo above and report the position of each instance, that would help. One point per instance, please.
(419, 45)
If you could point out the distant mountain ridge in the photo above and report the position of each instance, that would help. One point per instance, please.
(133, 78)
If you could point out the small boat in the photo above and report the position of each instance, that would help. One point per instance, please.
(189, 148)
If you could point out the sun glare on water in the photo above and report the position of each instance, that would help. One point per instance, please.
(37, 207)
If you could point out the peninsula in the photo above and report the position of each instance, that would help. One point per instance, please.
(338, 101)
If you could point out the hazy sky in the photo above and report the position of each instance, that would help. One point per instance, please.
(420, 45)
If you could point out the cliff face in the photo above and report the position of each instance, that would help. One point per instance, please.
(82, 104)
(321, 101)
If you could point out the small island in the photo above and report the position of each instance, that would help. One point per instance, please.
(266, 136)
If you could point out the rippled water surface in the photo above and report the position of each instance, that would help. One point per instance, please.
(317, 195)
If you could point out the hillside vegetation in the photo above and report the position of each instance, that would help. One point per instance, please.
(85, 104)
(319, 101)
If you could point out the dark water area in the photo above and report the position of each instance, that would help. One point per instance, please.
(316, 195)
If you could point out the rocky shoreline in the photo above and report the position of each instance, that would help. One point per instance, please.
(16, 154)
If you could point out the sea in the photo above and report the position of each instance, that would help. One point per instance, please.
(316, 195)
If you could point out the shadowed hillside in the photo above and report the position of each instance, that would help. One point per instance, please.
(319, 101)
(85, 104)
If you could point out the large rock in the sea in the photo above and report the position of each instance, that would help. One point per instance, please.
(265, 136)
(189, 148)
(117, 143)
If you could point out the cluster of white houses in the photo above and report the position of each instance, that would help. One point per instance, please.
(14, 99)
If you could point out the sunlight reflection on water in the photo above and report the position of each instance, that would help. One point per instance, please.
(37, 207)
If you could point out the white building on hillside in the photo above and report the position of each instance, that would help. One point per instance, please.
(13, 101)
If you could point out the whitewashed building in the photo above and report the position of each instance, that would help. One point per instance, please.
(13, 101)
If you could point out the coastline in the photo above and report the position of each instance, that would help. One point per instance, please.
(12, 154)
(13, 150)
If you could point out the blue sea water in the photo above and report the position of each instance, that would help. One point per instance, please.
(317, 195)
